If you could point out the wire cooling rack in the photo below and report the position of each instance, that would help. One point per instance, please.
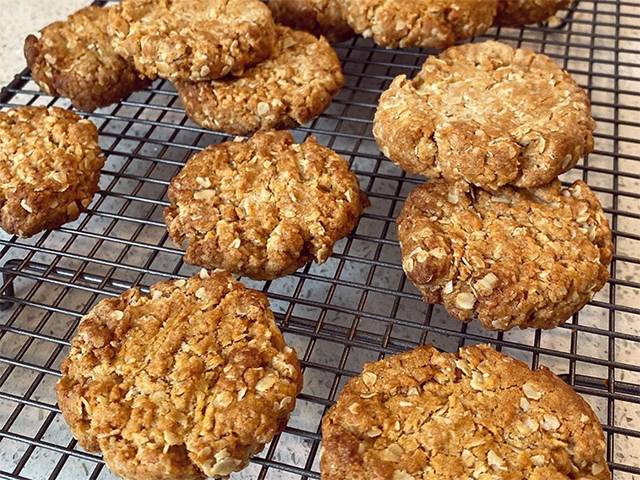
(358, 306)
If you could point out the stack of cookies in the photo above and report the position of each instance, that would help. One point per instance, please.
(494, 235)
(236, 70)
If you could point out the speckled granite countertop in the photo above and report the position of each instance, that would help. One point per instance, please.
(28, 16)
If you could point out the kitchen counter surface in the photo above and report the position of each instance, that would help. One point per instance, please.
(18, 21)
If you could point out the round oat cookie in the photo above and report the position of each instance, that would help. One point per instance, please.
(192, 39)
(186, 382)
(478, 414)
(419, 23)
(513, 13)
(50, 165)
(487, 114)
(74, 59)
(263, 207)
(293, 87)
(320, 17)
(515, 258)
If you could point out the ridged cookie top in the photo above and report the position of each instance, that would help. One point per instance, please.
(426, 415)
(263, 207)
(487, 114)
(525, 258)
(192, 39)
(74, 58)
(419, 23)
(292, 87)
(320, 17)
(186, 382)
(50, 165)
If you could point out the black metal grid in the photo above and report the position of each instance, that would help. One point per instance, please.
(355, 308)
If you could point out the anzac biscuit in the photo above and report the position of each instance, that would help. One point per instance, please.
(320, 17)
(192, 39)
(514, 13)
(186, 382)
(478, 414)
(74, 59)
(419, 23)
(50, 165)
(293, 87)
(487, 114)
(263, 207)
(525, 258)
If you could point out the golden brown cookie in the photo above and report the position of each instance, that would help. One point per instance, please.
(192, 39)
(487, 114)
(320, 17)
(50, 165)
(74, 59)
(186, 382)
(525, 258)
(293, 87)
(419, 23)
(427, 415)
(512, 13)
(263, 207)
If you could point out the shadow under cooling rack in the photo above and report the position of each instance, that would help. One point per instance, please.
(358, 306)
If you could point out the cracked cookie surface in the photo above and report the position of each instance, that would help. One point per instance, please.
(514, 258)
(427, 415)
(50, 165)
(487, 114)
(419, 23)
(74, 59)
(192, 39)
(263, 207)
(292, 87)
(512, 13)
(320, 17)
(186, 382)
